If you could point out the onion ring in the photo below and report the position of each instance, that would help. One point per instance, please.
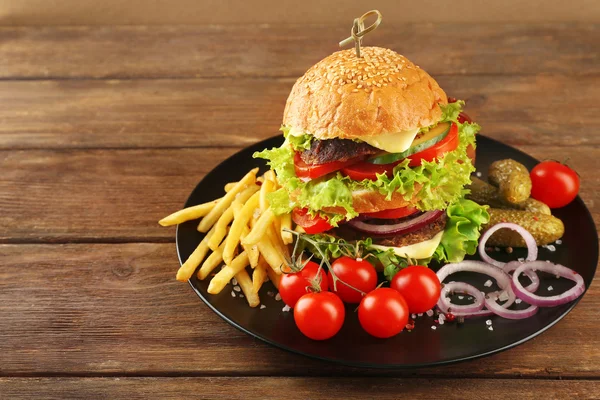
(554, 269)
(458, 310)
(503, 312)
(533, 277)
(532, 250)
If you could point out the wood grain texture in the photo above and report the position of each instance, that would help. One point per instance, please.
(249, 388)
(288, 50)
(116, 309)
(239, 112)
(119, 195)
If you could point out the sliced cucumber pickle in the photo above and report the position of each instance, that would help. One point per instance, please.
(422, 142)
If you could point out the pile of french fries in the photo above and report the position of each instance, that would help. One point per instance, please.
(243, 234)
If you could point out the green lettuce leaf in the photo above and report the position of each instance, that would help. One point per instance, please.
(463, 226)
(298, 143)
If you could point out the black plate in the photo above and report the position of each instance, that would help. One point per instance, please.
(423, 346)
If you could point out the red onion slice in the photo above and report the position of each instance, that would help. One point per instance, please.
(533, 277)
(500, 276)
(532, 250)
(503, 312)
(445, 305)
(554, 269)
(407, 226)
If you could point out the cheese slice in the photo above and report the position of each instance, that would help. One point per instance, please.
(418, 250)
(392, 142)
(395, 142)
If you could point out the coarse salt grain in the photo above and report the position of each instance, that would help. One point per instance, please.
(488, 322)
(420, 314)
(518, 301)
(550, 247)
(441, 317)
(461, 297)
(241, 295)
(496, 248)
(490, 328)
(504, 296)
(413, 316)
(277, 297)
(488, 283)
(520, 259)
(237, 288)
(286, 308)
(433, 327)
(232, 293)
(550, 288)
(234, 282)
(429, 313)
(269, 293)
(441, 321)
(558, 241)
(262, 306)
(478, 174)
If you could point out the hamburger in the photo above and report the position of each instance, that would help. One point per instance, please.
(374, 152)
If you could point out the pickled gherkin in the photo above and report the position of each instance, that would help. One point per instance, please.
(544, 228)
(512, 179)
(484, 193)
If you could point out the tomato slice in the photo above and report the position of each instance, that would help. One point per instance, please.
(449, 143)
(393, 213)
(311, 225)
(306, 172)
(366, 170)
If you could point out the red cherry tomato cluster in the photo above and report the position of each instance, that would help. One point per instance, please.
(318, 298)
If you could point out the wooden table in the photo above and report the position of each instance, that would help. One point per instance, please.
(104, 130)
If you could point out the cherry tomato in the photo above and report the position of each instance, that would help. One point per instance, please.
(383, 313)
(310, 224)
(306, 172)
(320, 315)
(419, 286)
(357, 273)
(294, 285)
(393, 213)
(554, 183)
(447, 144)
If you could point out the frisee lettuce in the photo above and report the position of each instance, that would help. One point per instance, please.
(439, 183)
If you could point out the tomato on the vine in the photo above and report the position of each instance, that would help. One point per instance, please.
(319, 315)
(383, 313)
(419, 286)
(294, 285)
(311, 225)
(352, 273)
(554, 183)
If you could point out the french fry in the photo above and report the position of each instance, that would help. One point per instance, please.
(243, 279)
(211, 218)
(222, 278)
(211, 263)
(188, 214)
(271, 255)
(226, 218)
(259, 274)
(262, 225)
(278, 244)
(239, 221)
(274, 277)
(187, 269)
(229, 186)
(252, 250)
(270, 175)
(286, 223)
(266, 188)
(299, 229)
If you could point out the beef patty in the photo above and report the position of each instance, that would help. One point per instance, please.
(324, 151)
(422, 234)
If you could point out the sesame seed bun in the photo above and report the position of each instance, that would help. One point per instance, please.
(343, 96)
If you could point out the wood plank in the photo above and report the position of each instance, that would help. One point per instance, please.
(119, 195)
(288, 50)
(116, 309)
(541, 110)
(249, 388)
